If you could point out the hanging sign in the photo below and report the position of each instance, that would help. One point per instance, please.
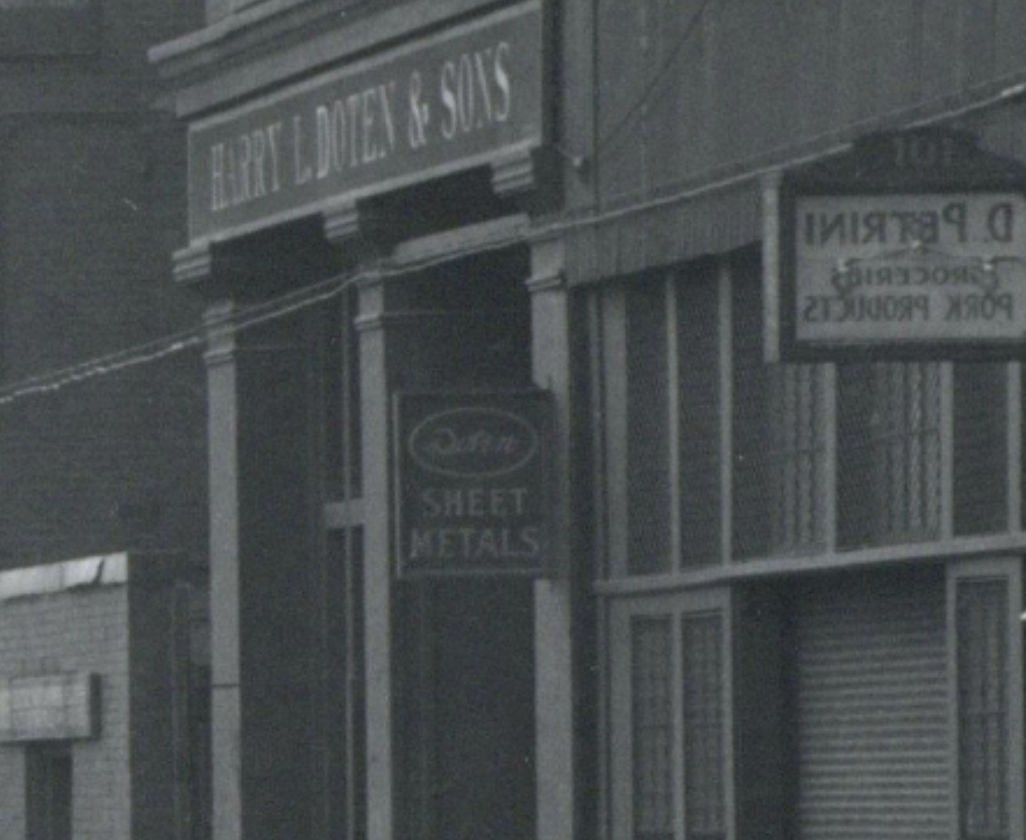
(913, 246)
(473, 495)
(49, 707)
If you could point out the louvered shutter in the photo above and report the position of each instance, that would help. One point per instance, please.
(872, 712)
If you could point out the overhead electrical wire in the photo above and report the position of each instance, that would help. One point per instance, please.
(282, 306)
(657, 78)
(236, 321)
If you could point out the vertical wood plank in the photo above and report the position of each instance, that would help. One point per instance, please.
(1010, 26)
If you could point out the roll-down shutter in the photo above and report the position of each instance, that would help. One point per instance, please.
(871, 683)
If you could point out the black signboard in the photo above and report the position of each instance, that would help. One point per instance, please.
(465, 97)
(473, 483)
(911, 246)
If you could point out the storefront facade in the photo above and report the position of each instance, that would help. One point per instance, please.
(362, 187)
(779, 599)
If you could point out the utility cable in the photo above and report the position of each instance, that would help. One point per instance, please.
(241, 319)
(625, 119)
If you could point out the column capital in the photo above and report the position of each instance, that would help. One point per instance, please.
(548, 265)
(193, 264)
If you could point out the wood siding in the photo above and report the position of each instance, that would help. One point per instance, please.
(689, 87)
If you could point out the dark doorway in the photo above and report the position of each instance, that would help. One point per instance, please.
(48, 792)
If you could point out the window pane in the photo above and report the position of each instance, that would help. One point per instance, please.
(888, 453)
(981, 448)
(699, 366)
(652, 729)
(982, 610)
(648, 430)
(778, 443)
(704, 798)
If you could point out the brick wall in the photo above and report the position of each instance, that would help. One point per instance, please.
(124, 781)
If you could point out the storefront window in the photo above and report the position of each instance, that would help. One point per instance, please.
(713, 455)
(670, 719)
(779, 439)
(889, 442)
(652, 707)
(982, 614)
(704, 795)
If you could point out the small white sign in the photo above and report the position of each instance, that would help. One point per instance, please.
(909, 268)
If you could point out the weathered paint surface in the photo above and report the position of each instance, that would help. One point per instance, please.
(680, 96)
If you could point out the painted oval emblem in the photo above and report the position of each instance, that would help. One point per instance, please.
(473, 442)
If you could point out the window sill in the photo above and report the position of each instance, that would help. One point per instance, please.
(937, 551)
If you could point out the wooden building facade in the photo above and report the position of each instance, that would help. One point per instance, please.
(782, 600)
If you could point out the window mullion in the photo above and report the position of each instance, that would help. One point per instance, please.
(726, 369)
(617, 444)
(947, 451)
(1014, 445)
(827, 503)
(679, 765)
(673, 423)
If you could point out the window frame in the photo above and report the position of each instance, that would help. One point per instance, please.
(618, 712)
(608, 365)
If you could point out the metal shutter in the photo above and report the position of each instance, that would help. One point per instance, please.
(871, 703)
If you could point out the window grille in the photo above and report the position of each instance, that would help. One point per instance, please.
(778, 442)
(704, 794)
(889, 453)
(982, 610)
(652, 729)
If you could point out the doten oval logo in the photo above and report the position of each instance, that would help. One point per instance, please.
(473, 442)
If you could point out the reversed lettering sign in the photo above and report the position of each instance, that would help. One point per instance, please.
(49, 707)
(911, 246)
(934, 267)
(473, 483)
(416, 112)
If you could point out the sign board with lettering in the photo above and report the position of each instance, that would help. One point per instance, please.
(913, 246)
(49, 707)
(457, 100)
(473, 483)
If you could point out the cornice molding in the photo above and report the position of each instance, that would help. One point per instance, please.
(278, 41)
